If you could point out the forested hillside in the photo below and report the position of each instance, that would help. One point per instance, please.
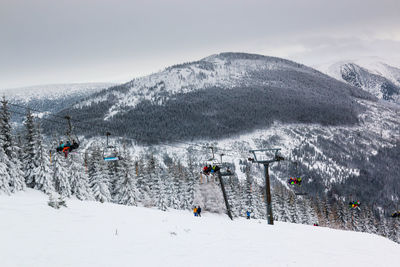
(219, 96)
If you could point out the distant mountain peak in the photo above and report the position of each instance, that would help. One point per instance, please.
(375, 77)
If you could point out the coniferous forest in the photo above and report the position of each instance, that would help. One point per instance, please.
(28, 160)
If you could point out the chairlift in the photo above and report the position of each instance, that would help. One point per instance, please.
(296, 182)
(71, 143)
(210, 165)
(110, 153)
(213, 166)
(355, 205)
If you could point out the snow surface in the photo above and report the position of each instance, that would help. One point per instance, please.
(52, 91)
(95, 234)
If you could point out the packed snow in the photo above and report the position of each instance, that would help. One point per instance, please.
(96, 234)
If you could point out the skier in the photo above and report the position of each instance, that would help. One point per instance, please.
(248, 215)
(199, 211)
(195, 211)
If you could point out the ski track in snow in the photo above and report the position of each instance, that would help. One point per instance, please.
(94, 234)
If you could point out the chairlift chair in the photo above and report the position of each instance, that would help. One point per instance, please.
(71, 143)
(296, 182)
(110, 153)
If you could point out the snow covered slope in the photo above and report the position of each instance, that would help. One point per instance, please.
(95, 234)
(52, 91)
(376, 77)
(49, 98)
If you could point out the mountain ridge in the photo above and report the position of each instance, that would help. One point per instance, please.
(376, 77)
(212, 88)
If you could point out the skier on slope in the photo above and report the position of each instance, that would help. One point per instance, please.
(195, 211)
(199, 211)
(248, 215)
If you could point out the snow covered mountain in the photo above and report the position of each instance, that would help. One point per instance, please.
(49, 98)
(233, 92)
(340, 135)
(226, 70)
(104, 234)
(378, 78)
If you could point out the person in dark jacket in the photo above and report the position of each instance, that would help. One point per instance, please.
(199, 211)
(248, 215)
(74, 145)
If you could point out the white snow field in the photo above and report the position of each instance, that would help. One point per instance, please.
(95, 234)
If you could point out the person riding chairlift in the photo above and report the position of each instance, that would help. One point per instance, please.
(293, 181)
(207, 169)
(395, 214)
(215, 168)
(355, 204)
(67, 147)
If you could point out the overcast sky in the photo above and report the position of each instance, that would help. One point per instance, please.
(65, 41)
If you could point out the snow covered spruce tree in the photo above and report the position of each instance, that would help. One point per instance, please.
(179, 194)
(16, 176)
(30, 159)
(156, 177)
(232, 187)
(4, 176)
(79, 178)
(61, 175)
(172, 184)
(142, 182)
(161, 197)
(98, 177)
(152, 178)
(187, 192)
(44, 179)
(278, 203)
(126, 189)
(113, 168)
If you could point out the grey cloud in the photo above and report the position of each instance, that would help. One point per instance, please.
(48, 41)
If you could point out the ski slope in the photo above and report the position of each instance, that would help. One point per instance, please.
(95, 234)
